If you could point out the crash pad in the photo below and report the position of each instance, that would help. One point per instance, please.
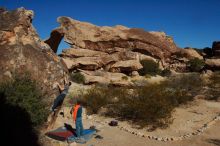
(87, 135)
(69, 134)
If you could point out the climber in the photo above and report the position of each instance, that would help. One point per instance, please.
(63, 92)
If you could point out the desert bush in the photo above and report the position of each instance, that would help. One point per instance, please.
(191, 82)
(214, 87)
(100, 96)
(77, 77)
(124, 78)
(23, 92)
(151, 104)
(149, 67)
(95, 99)
(165, 72)
(147, 76)
(144, 107)
(196, 64)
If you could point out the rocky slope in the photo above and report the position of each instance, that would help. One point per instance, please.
(23, 51)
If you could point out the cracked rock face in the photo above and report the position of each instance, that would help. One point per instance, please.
(22, 50)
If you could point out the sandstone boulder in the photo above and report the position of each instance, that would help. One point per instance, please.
(75, 53)
(23, 51)
(108, 78)
(134, 73)
(216, 48)
(126, 66)
(111, 39)
(213, 64)
(86, 63)
(89, 79)
(55, 38)
(178, 61)
(186, 54)
(92, 60)
(113, 45)
(191, 54)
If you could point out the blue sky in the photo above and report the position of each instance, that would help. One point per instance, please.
(194, 23)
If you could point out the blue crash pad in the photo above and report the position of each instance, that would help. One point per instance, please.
(87, 135)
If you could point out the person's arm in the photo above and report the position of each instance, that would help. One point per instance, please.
(71, 110)
(65, 81)
(60, 87)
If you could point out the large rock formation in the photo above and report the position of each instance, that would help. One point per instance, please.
(216, 48)
(213, 59)
(22, 51)
(119, 49)
(190, 53)
(114, 49)
(180, 59)
(213, 64)
(115, 39)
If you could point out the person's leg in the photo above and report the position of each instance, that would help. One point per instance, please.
(58, 101)
(81, 127)
(77, 127)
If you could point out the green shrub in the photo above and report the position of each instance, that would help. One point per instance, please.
(100, 96)
(214, 87)
(149, 67)
(144, 108)
(147, 76)
(95, 99)
(151, 104)
(165, 72)
(77, 77)
(196, 64)
(23, 92)
(191, 82)
(124, 78)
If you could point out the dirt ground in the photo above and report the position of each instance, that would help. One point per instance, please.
(186, 119)
(115, 137)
